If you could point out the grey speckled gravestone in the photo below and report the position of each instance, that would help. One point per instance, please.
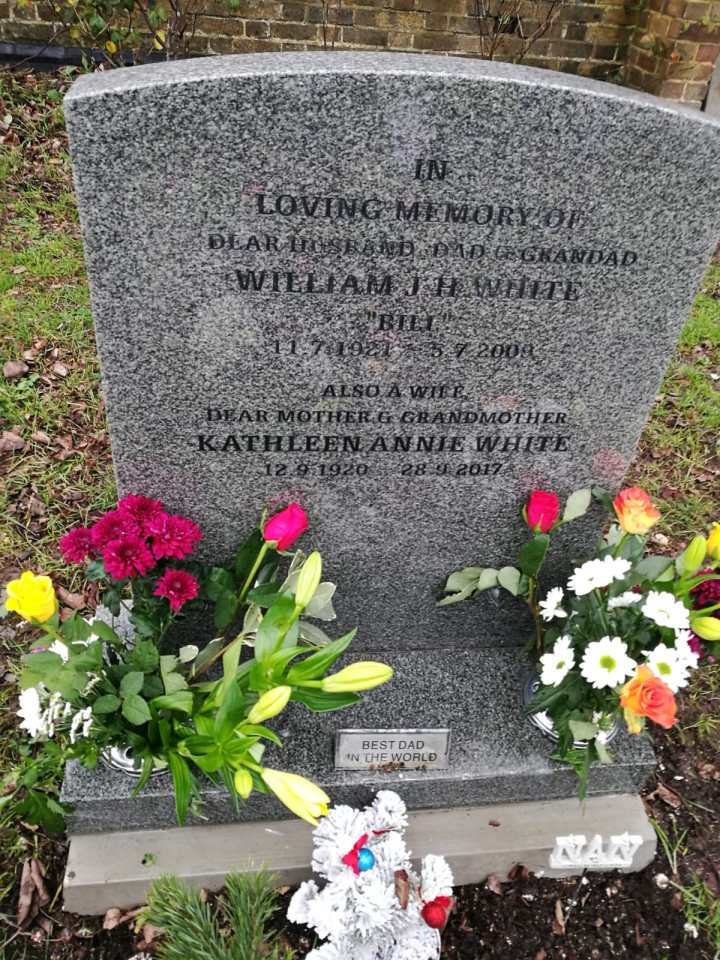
(404, 291)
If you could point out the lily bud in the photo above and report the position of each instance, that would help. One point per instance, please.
(270, 704)
(309, 579)
(243, 782)
(363, 675)
(694, 554)
(303, 797)
(707, 628)
(713, 542)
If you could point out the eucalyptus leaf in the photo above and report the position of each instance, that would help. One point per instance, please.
(509, 578)
(462, 578)
(188, 653)
(463, 594)
(488, 579)
(578, 504)
(652, 567)
(312, 634)
(583, 729)
(321, 607)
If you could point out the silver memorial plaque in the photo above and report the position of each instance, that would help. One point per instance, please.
(392, 749)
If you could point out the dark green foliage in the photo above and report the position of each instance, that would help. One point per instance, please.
(236, 931)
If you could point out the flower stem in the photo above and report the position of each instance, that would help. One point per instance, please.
(255, 567)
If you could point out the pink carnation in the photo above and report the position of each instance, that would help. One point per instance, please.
(114, 525)
(127, 557)
(177, 586)
(142, 510)
(76, 546)
(173, 536)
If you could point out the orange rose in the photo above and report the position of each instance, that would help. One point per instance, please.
(635, 510)
(647, 696)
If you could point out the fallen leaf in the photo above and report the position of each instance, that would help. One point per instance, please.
(541, 955)
(150, 933)
(26, 897)
(74, 600)
(493, 823)
(17, 270)
(559, 921)
(112, 918)
(666, 794)
(708, 771)
(60, 369)
(13, 369)
(36, 507)
(11, 442)
(40, 437)
(494, 883)
(37, 872)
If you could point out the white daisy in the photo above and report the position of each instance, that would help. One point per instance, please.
(664, 610)
(550, 606)
(606, 663)
(558, 662)
(596, 574)
(666, 663)
(626, 599)
(30, 711)
(685, 651)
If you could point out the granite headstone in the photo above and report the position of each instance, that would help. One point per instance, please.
(404, 291)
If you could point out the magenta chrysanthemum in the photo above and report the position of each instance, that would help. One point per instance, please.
(114, 525)
(76, 546)
(173, 536)
(706, 594)
(127, 557)
(177, 586)
(142, 510)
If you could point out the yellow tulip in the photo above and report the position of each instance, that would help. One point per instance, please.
(694, 554)
(713, 542)
(708, 628)
(303, 797)
(243, 782)
(33, 597)
(309, 579)
(363, 675)
(270, 704)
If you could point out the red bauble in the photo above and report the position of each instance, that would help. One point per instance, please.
(434, 915)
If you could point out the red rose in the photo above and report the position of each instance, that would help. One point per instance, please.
(285, 527)
(543, 509)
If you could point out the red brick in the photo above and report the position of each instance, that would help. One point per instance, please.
(695, 91)
(257, 28)
(365, 37)
(294, 12)
(440, 42)
(332, 14)
(436, 21)
(697, 10)
(443, 6)
(674, 8)
(603, 51)
(252, 45)
(294, 31)
(708, 52)
(258, 9)
(672, 89)
(688, 51)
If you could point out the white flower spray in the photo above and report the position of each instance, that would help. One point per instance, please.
(373, 906)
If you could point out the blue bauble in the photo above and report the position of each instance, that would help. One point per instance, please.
(366, 859)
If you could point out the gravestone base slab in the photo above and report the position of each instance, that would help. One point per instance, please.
(496, 755)
(114, 869)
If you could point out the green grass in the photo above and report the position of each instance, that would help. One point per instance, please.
(679, 455)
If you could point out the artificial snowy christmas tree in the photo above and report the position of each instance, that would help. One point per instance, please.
(373, 906)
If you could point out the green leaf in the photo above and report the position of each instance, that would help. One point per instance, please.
(230, 713)
(95, 571)
(144, 625)
(320, 702)
(458, 597)
(132, 683)
(273, 627)
(226, 608)
(144, 656)
(181, 701)
(317, 665)
(208, 652)
(174, 682)
(168, 663)
(108, 703)
(603, 497)
(532, 556)
(264, 595)
(183, 782)
(583, 730)
(462, 578)
(578, 504)
(247, 554)
(509, 578)
(487, 579)
(257, 730)
(105, 632)
(188, 653)
(75, 629)
(135, 710)
(220, 581)
(652, 567)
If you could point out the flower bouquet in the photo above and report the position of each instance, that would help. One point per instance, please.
(622, 637)
(195, 711)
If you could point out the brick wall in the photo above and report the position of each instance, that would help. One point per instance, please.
(667, 48)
